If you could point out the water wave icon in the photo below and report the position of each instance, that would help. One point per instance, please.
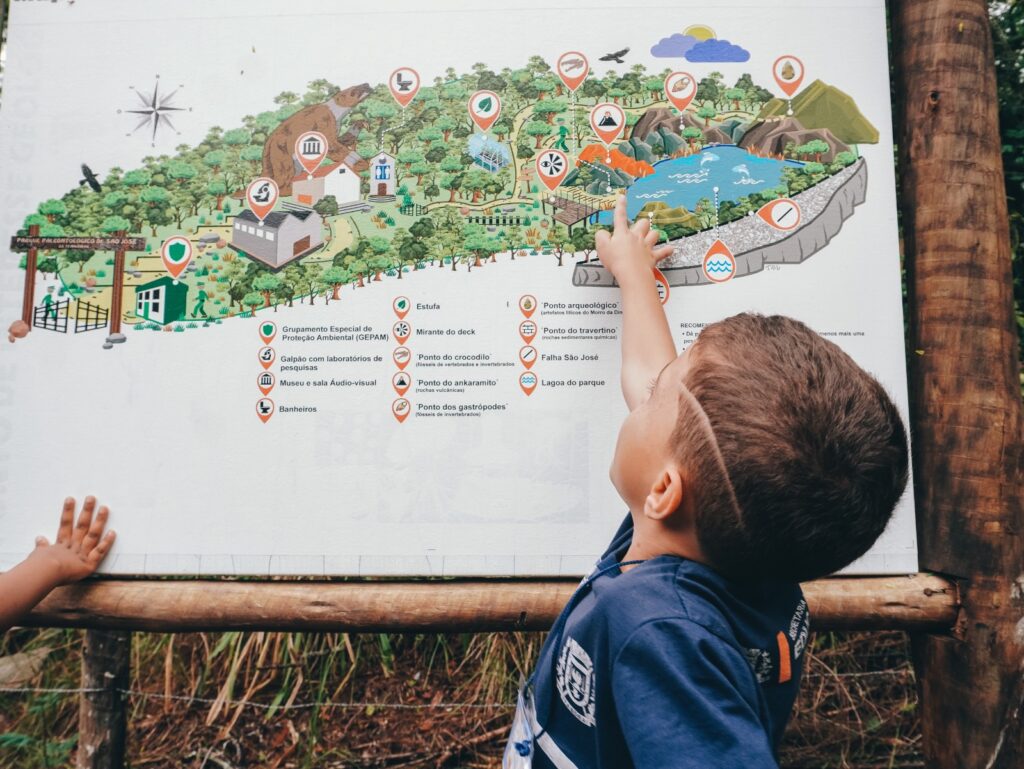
(694, 178)
(719, 265)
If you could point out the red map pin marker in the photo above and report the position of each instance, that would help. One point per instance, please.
(528, 356)
(552, 166)
(528, 381)
(401, 306)
(608, 121)
(401, 382)
(662, 283)
(572, 69)
(719, 263)
(484, 108)
(262, 195)
(266, 382)
(404, 84)
(680, 88)
(267, 357)
(311, 149)
(789, 74)
(527, 304)
(528, 330)
(402, 331)
(268, 330)
(265, 409)
(401, 356)
(782, 214)
(401, 409)
(176, 253)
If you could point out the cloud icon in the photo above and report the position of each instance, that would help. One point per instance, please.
(717, 51)
(673, 46)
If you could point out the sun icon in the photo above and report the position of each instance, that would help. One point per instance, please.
(700, 31)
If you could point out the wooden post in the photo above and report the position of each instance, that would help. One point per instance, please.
(28, 299)
(965, 396)
(102, 717)
(117, 295)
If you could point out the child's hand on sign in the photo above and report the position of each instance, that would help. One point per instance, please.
(630, 252)
(80, 548)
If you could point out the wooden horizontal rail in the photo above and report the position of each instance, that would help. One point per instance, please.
(914, 602)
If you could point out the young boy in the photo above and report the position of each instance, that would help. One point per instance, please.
(760, 457)
(77, 553)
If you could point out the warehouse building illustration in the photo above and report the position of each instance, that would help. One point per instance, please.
(282, 237)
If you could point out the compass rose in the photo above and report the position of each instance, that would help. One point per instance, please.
(155, 111)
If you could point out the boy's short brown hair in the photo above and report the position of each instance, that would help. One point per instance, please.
(813, 446)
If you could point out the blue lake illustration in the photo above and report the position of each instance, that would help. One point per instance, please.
(684, 181)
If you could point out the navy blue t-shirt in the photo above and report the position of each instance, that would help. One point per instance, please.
(667, 665)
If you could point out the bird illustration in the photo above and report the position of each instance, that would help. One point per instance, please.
(90, 179)
(403, 85)
(568, 65)
(616, 57)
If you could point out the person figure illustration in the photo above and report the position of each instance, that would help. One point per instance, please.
(200, 308)
(48, 303)
(563, 133)
(607, 121)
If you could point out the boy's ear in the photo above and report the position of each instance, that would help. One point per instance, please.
(665, 496)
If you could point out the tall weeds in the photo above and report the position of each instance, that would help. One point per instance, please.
(300, 700)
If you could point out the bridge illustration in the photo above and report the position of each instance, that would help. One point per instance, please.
(572, 205)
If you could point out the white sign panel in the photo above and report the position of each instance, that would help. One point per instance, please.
(367, 332)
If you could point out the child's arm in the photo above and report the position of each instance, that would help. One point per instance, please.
(76, 554)
(628, 254)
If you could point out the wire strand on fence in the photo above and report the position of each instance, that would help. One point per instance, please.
(261, 705)
(191, 699)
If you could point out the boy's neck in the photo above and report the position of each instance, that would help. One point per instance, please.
(650, 542)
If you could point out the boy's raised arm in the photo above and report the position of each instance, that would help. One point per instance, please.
(628, 254)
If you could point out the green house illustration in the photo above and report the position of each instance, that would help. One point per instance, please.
(161, 300)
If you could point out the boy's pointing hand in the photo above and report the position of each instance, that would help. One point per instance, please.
(630, 252)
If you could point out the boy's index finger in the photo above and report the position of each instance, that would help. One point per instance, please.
(621, 222)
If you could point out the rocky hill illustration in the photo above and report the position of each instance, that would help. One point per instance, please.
(774, 135)
(821, 105)
(278, 153)
(665, 122)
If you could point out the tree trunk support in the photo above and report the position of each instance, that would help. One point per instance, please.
(102, 717)
(965, 385)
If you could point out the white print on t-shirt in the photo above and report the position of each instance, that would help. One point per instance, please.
(798, 629)
(574, 678)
